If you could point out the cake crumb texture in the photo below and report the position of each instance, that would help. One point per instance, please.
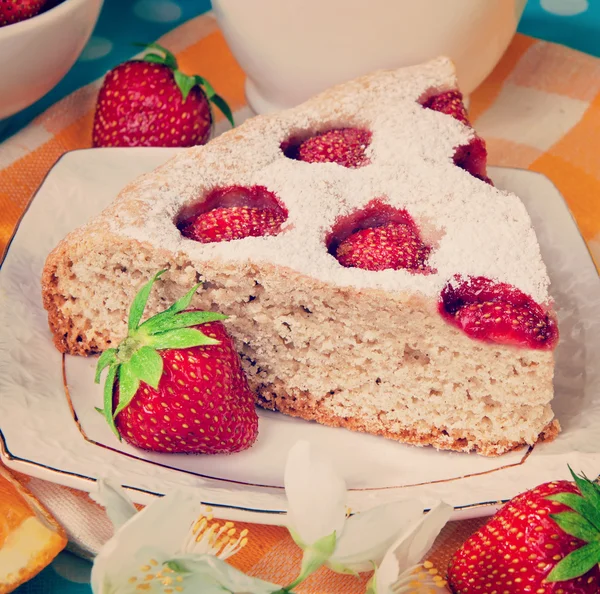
(341, 346)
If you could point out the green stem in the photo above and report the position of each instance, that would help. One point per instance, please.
(314, 557)
(303, 575)
(296, 582)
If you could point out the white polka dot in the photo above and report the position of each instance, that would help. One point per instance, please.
(565, 7)
(97, 48)
(157, 11)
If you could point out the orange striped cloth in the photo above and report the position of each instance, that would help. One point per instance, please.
(538, 110)
(270, 553)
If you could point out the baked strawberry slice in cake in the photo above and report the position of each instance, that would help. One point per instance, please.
(373, 277)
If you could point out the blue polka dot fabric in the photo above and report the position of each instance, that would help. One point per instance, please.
(575, 23)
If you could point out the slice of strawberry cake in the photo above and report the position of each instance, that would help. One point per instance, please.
(373, 276)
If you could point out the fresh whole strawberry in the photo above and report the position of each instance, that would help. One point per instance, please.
(544, 541)
(235, 212)
(391, 246)
(176, 384)
(450, 103)
(497, 312)
(15, 11)
(344, 146)
(150, 102)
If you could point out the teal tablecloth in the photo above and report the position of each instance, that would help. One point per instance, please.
(575, 23)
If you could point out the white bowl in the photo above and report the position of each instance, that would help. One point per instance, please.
(38, 52)
(292, 49)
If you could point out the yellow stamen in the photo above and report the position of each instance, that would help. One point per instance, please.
(215, 537)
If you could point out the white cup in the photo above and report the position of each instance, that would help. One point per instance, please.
(292, 49)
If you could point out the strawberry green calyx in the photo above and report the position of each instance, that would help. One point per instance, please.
(583, 522)
(137, 359)
(160, 55)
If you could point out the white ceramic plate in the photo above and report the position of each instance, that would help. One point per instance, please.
(48, 435)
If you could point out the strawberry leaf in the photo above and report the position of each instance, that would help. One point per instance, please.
(576, 525)
(589, 492)
(580, 505)
(147, 365)
(154, 58)
(139, 303)
(225, 109)
(195, 318)
(576, 564)
(163, 323)
(108, 357)
(208, 89)
(129, 383)
(168, 60)
(108, 398)
(183, 338)
(184, 302)
(184, 82)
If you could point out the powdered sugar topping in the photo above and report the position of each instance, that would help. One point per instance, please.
(475, 228)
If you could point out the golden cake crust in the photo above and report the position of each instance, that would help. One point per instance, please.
(304, 407)
(306, 327)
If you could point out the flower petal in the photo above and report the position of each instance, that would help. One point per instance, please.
(186, 581)
(105, 579)
(316, 494)
(368, 535)
(411, 548)
(387, 573)
(207, 569)
(198, 584)
(162, 527)
(113, 498)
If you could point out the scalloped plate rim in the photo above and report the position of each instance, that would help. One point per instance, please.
(143, 495)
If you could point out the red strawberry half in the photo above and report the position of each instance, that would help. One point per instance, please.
(344, 146)
(450, 103)
(497, 312)
(472, 158)
(544, 541)
(235, 212)
(150, 102)
(14, 11)
(379, 237)
(176, 383)
(394, 245)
